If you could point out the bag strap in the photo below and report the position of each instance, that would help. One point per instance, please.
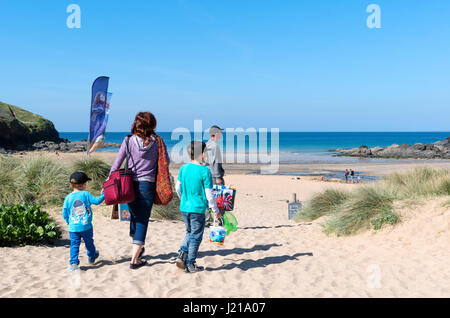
(161, 148)
(128, 153)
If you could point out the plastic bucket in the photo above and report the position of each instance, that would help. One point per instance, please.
(217, 235)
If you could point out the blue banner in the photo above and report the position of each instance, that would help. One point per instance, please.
(99, 112)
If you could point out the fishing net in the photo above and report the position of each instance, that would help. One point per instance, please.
(229, 222)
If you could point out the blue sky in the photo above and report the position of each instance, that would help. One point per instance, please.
(294, 65)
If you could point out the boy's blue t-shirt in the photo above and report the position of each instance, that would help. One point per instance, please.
(77, 210)
(194, 180)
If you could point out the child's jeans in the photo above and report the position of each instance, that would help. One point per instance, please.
(195, 226)
(75, 242)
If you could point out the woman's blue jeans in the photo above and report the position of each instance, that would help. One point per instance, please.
(195, 226)
(140, 210)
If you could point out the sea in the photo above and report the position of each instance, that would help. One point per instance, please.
(293, 147)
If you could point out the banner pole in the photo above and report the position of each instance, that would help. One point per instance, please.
(88, 145)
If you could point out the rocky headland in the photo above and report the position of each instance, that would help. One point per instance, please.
(21, 130)
(437, 150)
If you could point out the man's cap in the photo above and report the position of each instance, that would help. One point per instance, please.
(79, 177)
(214, 130)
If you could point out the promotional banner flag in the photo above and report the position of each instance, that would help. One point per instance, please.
(99, 113)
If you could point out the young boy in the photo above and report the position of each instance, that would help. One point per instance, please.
(78, 214)
(194, 186)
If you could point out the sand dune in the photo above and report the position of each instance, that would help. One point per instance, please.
(269, 256)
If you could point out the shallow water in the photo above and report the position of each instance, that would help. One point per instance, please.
(327, 174)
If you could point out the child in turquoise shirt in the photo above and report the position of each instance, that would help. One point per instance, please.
(194, 187)
(77, 213)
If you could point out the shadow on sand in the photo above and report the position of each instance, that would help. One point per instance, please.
(272, 227)
(260, 263)
(58, 243)
(170, 258)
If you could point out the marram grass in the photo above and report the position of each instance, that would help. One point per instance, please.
(39, 180)
(34, 180)
(96, 169)
(371, 206)
(368, 206)
(322, 204)
(419, 182)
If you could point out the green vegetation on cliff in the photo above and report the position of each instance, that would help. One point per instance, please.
(19, 127)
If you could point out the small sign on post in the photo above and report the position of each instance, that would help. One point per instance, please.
(293, 209)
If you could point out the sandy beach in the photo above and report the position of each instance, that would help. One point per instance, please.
(269, 256)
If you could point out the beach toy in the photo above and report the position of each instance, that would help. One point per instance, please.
(225, 197)
(230, 222)
(217, 234)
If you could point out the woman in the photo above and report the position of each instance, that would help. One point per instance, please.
(143, 162)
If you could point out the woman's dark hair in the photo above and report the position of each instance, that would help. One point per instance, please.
(144, 126)
(196, 148)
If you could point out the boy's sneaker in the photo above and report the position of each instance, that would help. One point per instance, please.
(73, 267)
(193, 268)
(181, 260)
(91, 260)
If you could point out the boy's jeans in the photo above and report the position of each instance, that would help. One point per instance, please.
(75, 241)
(195, 226)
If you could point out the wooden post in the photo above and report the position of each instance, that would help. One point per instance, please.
(115, 212)
(294, 198)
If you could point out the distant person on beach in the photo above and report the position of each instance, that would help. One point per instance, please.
(346, 175)
(143, 162)
(194, 187)
(77, 213)
(214, 161)
(352, 176)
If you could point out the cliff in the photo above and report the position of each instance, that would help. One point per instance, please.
(436, 150)
(19, 128)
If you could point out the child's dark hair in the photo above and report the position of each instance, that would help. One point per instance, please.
(77, 186)
(196, 149)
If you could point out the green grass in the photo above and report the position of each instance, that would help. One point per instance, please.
(446, 204)
(170, 211)
(419, 183)
(96, 169)
(371, 206)
(366, 207)
(11, 192)
(42, 181)
(21, 114)
(322, 204)
(33, 181)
